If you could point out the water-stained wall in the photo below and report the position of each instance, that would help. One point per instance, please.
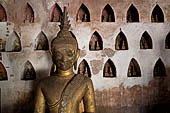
(121, 40)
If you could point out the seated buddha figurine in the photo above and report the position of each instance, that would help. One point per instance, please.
(65, 91)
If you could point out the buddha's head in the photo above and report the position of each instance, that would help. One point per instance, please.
(64, 47)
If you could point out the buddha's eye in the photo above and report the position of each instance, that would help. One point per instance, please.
(58, 55)
(70, 53)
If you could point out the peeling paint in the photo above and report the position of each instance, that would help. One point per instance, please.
(96, 66)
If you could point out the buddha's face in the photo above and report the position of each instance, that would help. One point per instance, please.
(64, 56)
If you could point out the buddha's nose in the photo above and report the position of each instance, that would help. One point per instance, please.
(64, 58)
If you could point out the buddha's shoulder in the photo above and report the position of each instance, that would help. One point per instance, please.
(86, 79)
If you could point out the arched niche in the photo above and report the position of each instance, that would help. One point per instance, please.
(167, 41)
(121, 42)
(159, 69)
(134, 69)
(28, 72)
(13, 43)
(132, 14)
(96, 42)
(3, 15)
(108, 14)
(28, 14)
(3, 73)
(83, 14)
(109, 69)
(2, 45)
(56, 13)
(84, 68)
(41, 42)
(146, 41)
(157, 14)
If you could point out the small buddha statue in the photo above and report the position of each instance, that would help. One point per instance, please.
(105, 16)
(56, 16)
(81, 68)
(93, 43)
(80, 15)
(106, 69)
(65, 91)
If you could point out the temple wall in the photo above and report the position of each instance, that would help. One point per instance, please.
(121, 94)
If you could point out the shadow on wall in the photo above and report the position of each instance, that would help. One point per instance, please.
(24, 104)
(155, 108)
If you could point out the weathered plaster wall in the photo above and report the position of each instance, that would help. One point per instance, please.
(121, 94)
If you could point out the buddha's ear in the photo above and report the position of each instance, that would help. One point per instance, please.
(77, 56)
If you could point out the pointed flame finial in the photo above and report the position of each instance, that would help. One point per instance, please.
(65, 23)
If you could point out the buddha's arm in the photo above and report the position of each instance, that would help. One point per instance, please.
(89, 99)
(39, 101)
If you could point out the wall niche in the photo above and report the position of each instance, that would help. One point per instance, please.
(109, 69)
(157, 14)
(146, 41)
(96, 42)
(167, 41)
(121, 42)
(3, 15)
(132, 14)
(134, 69)
(13, 43)
(41, 42)
(83, 14)
(159, 69)
(28, 72)
(84, 69)
(108, 14)
(28, 14)
(3, 72)
(56, 13)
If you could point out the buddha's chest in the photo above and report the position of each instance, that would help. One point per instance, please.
(54, 89)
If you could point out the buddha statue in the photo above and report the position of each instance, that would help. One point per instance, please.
(65, 91)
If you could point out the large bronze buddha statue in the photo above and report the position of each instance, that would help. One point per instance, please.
(64, 91)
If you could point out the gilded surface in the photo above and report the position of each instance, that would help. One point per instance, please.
(65, 91)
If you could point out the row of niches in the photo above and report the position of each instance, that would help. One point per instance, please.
(29, 73)
(133, 69)
(83, 14)
(13, 43)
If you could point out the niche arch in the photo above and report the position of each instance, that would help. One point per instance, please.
(28, 14)
(13, 43)
(134, 69)
(96, 42)
(56, 13)
(108, 14)
(132, 14)
(109, 69)
(146, 41)
(159, 69)
(121, 42)
(41, 42)
(83, 14)
(167, 41)
(3, 72)
(3, 14)
(84, 69)
(28, 71)
(157, 14)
